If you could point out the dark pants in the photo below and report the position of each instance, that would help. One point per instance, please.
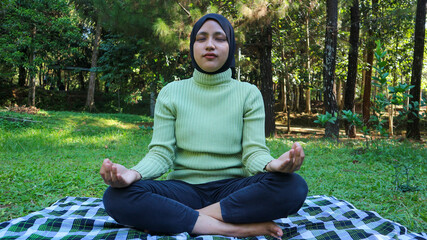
(169, 206)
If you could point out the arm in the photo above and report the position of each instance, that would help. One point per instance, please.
(161, 150)
(255, 155)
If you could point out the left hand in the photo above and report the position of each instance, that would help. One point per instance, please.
(289, 162)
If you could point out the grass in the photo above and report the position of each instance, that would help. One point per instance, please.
(44, 162)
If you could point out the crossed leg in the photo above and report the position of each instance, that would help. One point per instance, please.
(210, 222)
(241, 208)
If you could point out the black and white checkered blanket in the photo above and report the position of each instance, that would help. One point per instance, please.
(321, 217)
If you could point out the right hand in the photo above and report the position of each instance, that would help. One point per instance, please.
(116, 175)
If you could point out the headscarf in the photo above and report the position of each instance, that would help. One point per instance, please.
(229, 32)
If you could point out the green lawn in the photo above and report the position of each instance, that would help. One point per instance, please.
(59, 157)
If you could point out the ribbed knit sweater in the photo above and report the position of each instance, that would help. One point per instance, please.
(207, 128)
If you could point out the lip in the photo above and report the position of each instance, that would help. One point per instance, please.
(210, 55)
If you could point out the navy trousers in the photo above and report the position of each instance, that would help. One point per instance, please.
(169, 206)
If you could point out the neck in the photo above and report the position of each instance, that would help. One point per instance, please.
(212, 79)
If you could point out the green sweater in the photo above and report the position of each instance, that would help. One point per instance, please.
(207, 128)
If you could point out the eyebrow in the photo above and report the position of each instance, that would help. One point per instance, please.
(215, 33)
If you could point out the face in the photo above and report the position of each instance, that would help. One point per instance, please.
(210, 48)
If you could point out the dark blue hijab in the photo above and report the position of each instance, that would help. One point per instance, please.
(229, 32)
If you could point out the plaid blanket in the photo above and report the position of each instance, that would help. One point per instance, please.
(321, 217)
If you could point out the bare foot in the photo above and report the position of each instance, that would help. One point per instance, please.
(209, 225)
(258, 229)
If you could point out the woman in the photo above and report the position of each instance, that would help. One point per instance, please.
(210, 130)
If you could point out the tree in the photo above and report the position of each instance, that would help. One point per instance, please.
(162, 32)
(259, 16)
(36, 33)
(369, 60)
(88, 10)
(352, 66)
(331, 129)
(90, 100)
(413, 127)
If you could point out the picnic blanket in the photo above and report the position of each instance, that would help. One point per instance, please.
(321, 217)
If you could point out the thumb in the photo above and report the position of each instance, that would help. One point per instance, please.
(291, 155)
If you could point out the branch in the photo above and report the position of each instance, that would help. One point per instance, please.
(183, 8)
(12, 119)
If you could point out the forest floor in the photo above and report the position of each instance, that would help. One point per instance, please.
(302, 125)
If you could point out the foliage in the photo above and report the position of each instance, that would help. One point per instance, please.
(74, 100)
(327, 117)
(38, 32)
(353, 119)
(144, 42)
(404, 170)
(386, 97)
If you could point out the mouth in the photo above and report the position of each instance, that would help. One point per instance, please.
(210, 55)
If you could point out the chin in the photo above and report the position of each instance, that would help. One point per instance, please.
(209, 69)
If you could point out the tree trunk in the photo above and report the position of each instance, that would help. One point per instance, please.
(32, 82)
(281, 88)
(308, 100)
(58, 79)
(308, 91)
(22, 76)
(81, 80)
(288, 92)
(297, 98)
(350, 86)
(284, 92)
(338, 90)
(267, 79)
(40, 75)
(331, 129)
(301, 98)
(90, 100)
(367, 85)
(368, 75)
(413, 125)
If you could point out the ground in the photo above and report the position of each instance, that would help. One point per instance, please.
(303, 126)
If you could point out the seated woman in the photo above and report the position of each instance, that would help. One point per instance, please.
(210, 130)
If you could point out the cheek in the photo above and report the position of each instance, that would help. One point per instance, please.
(225, 53)
(196, 49)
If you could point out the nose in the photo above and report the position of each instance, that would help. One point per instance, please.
(210, 44)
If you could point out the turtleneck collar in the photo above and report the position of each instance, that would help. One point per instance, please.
(212, 79)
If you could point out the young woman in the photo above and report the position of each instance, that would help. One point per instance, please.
(210, 130)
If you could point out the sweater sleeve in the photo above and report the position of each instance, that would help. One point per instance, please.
(255, 155)
(162, 146)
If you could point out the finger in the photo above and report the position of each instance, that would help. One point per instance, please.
(287, 165)
(102, 170)
(292, 156)
(296, 145)
(300, 159)
(106, 172)
(114, 174)
(296, 158)
(284, 167)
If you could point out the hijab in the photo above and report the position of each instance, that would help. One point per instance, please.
(229, 32)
